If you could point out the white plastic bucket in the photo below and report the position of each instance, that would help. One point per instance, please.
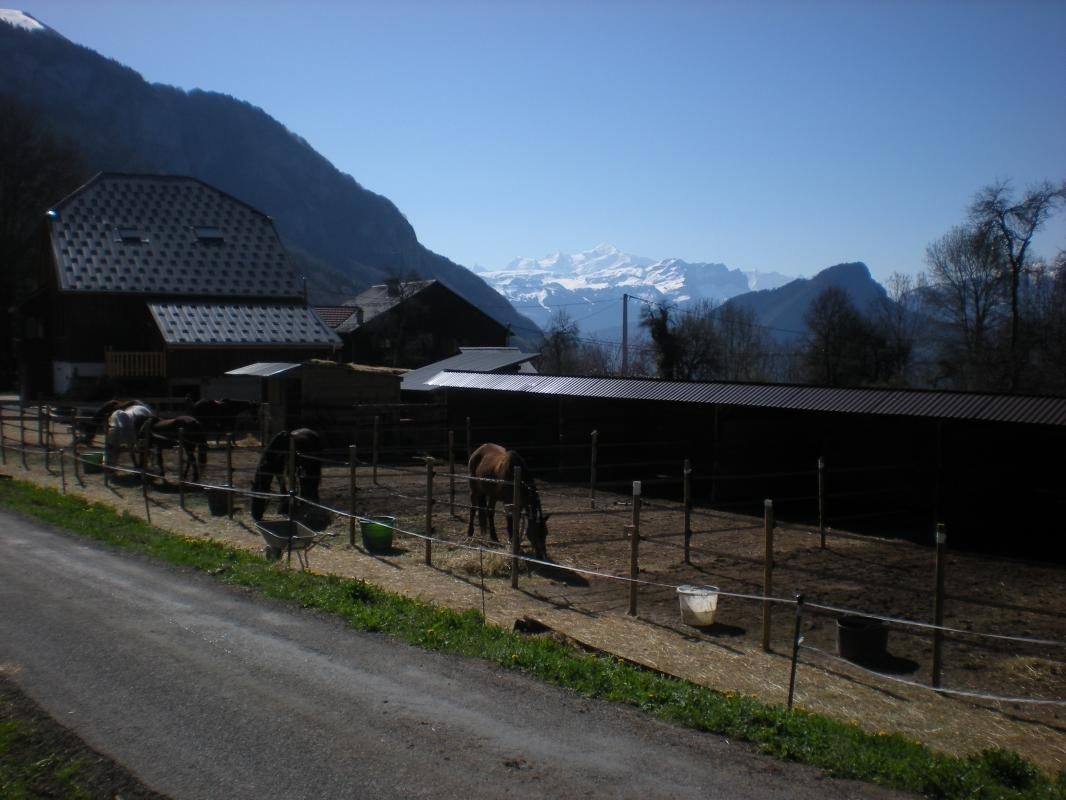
(698, 604)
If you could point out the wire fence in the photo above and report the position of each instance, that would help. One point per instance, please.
(34, 431)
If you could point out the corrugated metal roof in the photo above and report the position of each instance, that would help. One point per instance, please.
(895, 402)
(275, 324)
(480, 359)
(167, 235)
(264, 369)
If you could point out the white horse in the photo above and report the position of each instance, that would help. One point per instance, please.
(122, 428)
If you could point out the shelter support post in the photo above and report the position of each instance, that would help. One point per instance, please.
(686, 472)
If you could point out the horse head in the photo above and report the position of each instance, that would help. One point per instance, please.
(537, 527)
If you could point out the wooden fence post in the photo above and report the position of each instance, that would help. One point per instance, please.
(429, 512)
(686, 472)
(821, 500)
(796, 638)
(634, 546)
(107, 467)
(3, 438)
(22, 434)
(352, 466)
(516, 525)
(451, 472)
(768, 572)
(469, 449)
(290, 465)
(74, 450)
(229, 478)
(374, 450)
(592, 469)
(938, 602)
(181, 468)
(45, 421)
(62, 471)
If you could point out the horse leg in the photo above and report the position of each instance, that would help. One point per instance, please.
(475, 506)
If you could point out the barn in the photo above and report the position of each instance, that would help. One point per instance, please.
(411, 324)
(153, 281)
(893, 462)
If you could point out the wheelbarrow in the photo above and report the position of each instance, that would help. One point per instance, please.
(285, 537)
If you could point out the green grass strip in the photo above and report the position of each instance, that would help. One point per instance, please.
(839, 748)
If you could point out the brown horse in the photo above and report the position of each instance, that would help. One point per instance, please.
(167, 433)
(491, 471)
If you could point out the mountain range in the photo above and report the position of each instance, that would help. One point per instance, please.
(343, 236)
(589, 285)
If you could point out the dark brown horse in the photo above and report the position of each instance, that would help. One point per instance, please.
(220, 417)
(86, 430)
(274, 464)
(164, 434)
(491, 471)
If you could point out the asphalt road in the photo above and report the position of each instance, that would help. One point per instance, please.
(207, 691)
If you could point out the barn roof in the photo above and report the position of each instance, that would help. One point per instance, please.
(482, 359)
(377, 300)
(901, 402)
(167, 235)
(241, 324)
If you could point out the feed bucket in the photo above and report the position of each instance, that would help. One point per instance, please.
(217, 502)
(377, 533)
(699, 604)
(863, 640)
(93, 461)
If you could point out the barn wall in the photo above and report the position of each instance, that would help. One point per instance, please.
(996, 486)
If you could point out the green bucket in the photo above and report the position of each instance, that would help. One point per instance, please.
(93, 461)
(377, 534)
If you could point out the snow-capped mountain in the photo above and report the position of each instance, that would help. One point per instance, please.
(584, 284)
(20, 19)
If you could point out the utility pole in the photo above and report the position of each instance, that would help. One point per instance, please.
(625, 334)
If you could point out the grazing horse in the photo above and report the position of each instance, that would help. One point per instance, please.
(274, 463)
(87, 429)
(167, 433)
(220, 416)
(491, 471)
(122, 427)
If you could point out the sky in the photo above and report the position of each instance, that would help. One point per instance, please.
(779, 136)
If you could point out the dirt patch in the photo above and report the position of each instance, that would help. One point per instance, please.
(872, 576)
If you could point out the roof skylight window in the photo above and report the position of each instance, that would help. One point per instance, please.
(209, 234)
(131, 236)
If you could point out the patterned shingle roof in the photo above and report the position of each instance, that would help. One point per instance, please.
(237, 324)
(167, 235)
(377, 300)
(334, 315)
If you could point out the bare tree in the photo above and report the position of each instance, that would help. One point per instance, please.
(967, 289)
(743, 344)
(1012, 224)
(837, 338)
(560, 349)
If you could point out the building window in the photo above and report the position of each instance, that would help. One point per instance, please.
(131, 235)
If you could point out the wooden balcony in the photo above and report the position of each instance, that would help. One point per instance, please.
(123, 364)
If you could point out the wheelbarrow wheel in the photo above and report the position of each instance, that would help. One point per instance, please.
(271, 553)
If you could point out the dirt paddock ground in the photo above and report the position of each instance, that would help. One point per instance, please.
(891, 578)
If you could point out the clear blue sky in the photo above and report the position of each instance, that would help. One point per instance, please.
(775, 136)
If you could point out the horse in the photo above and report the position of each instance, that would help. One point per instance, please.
(274, 463)
(86, 430)
(122, 427)
(491, 470)
(220, 416)
(167, 433)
